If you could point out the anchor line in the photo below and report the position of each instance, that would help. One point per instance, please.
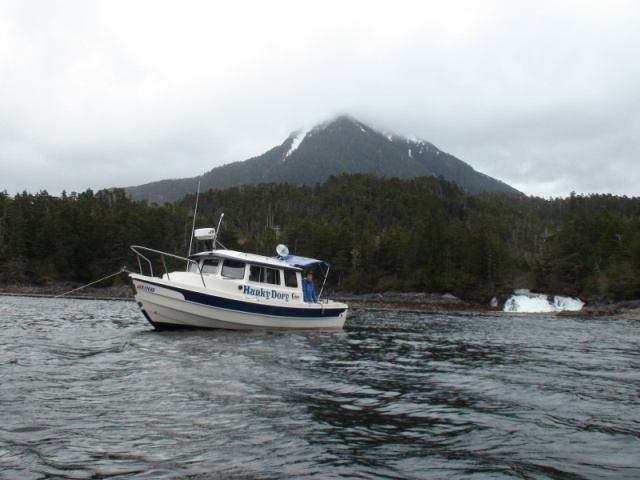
(123, 270)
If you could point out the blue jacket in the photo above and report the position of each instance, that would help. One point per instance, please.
(309, 291)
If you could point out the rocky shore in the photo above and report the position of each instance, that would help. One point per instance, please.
(628, 310)
(407, 301)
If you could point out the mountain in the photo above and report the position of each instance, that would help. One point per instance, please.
(343, 145)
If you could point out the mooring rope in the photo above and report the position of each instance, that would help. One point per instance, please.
(124, 269)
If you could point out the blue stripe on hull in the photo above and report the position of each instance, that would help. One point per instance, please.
(211, 300)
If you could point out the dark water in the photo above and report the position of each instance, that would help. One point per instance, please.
(88, 390)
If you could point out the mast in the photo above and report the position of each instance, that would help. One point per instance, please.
(193, 226)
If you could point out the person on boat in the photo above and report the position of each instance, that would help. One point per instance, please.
(309, 289)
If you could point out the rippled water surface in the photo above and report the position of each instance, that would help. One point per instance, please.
(89, 390)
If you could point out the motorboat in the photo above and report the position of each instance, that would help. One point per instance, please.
(220, 288)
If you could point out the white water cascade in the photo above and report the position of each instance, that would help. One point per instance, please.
(524, 301)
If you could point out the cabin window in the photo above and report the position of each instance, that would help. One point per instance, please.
(290, 278)
(233, 269)
(210, 265)
(273, 276)
(254, 273)
(264, 275)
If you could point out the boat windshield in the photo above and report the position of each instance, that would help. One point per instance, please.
(210, 265)
(233, 269)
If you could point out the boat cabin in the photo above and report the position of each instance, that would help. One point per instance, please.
(238, 266)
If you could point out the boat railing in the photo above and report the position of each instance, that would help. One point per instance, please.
(163, 255)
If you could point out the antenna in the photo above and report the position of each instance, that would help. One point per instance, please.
(282, 250)
(218, 231)
(193, 226)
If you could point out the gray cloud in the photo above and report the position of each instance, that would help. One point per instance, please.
(99, 94)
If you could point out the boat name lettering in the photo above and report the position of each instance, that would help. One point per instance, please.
(267, 294)
(146, 288)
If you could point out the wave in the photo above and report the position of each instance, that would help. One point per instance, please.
(524, 301)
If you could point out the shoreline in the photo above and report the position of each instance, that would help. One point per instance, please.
(415, 302)
(390, 300)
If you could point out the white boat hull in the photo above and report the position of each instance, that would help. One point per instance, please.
(168, 304)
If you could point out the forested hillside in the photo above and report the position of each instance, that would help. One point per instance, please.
(423, 234)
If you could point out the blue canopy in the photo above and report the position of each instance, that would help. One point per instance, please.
(303, 262)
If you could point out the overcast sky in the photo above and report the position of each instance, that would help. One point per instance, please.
(96, 94)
